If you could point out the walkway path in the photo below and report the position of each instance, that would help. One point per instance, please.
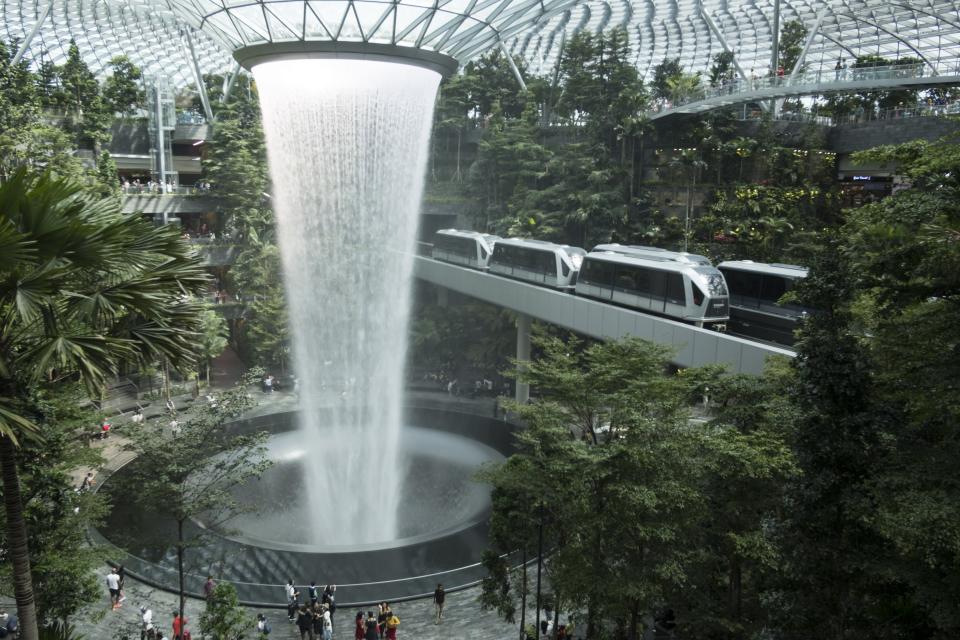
(910, 76)
(463, 618)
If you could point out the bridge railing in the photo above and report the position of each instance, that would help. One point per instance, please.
(823, 78)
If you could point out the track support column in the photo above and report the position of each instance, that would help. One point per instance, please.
(522, 395)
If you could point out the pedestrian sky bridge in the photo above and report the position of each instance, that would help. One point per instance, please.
(694, 346)
(763, 91)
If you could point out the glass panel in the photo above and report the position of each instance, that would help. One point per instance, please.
(675, 293)
(658, 284)
(772, 289)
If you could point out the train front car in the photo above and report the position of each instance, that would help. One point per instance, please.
(694, 293)
(755, 292)
(537, 262)
(465, 248)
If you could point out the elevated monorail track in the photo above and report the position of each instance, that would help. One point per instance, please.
(694, 346)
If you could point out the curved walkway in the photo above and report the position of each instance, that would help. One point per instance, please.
(851, 80)
(464, 619)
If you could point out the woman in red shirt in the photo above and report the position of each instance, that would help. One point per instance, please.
(358, 627)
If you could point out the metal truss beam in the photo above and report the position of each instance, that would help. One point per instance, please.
(233, 80)
(723, 42)
(198, 77)
(33, 34)
(513, 66)
(806, 45)
(895, 36)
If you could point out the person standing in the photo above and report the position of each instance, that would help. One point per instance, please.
(392, 623)
(382, 609)
(327, 624)
(312, 593)
(371, 630)
(87, 483)
(208, 588)
(305, 623)
(292, 603)
(330, 599)
(359, 627)
(317, 609)
(263, 627)
(122, 575)
(438, 597)
(113, 585)
(146, 622)
(179, 626)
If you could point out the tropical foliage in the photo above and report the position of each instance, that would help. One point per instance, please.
(83, 289)
(192, 468)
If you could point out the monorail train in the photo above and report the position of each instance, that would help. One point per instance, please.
(755, 292)
(689, 292)
(466, 248)
(536, 261)
(656, 253)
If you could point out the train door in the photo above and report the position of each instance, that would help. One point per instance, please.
(675, 297)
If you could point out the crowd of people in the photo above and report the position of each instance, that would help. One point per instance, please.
(383, 624)
(155, 187)
(313, 617)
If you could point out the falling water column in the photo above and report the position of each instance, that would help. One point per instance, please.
(347, 142)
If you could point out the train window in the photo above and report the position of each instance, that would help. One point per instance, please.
(463, 246)
(641, 280)
(745, 287)
(547, 262)
(675, 293)
(597, 272)
(625, 279)
(564, 269)
(697, 294)
(527, 258)
(716, 285)
(658, 284)
(772, 288)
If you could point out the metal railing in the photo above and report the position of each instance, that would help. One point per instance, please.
(155, 189)
(745, 113)
(823, 80)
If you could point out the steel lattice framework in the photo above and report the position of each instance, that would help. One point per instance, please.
(179, 37)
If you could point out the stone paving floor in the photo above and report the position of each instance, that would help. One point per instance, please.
(463, 618)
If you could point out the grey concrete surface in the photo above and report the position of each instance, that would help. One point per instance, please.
(463, 618)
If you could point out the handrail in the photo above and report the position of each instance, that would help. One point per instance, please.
(825, 79)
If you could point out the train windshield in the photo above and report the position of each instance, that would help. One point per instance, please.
(716, 285)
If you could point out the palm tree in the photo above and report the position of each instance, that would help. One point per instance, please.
(83, 288)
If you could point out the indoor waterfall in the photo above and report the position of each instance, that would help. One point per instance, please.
(347, 142)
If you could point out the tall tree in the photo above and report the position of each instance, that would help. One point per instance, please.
(839, 444)
(662, 74)
(192, 471)
(212, 340)
(793, 35)
(25, 139)
(63, 562)
(80, 95)
(82, 289)
(224, 618)
(609, 466)
(123, 89)
(906, 251)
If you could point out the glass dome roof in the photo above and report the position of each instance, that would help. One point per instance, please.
(158, 34)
